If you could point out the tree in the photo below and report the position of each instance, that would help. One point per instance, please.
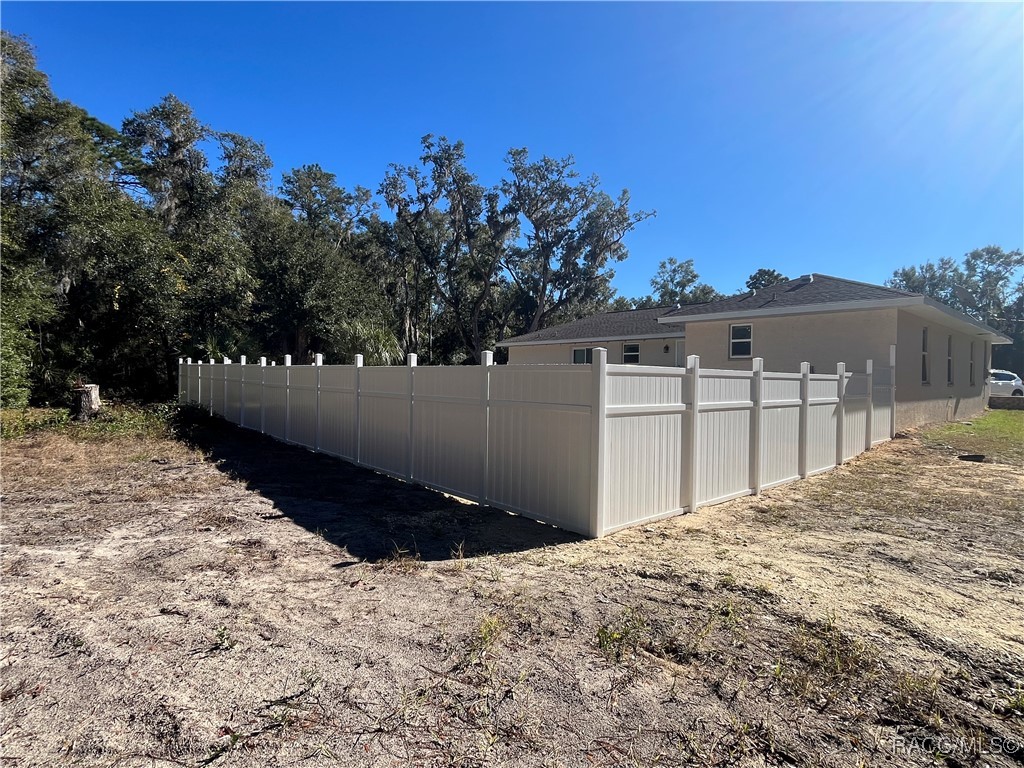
(764, 278)
(988, 284)
(572, 231)
(677, 283)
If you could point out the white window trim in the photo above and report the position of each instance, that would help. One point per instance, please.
(624, 352)
(733, 341)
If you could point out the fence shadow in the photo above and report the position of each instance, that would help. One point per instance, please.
(372, 516)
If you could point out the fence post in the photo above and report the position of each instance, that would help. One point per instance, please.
(598, 403)
(756, 396)
(691, 454)
(870, 413)
(188, 380)
(199, 383)
(892, 391)
(224, 375)
(840, 411)
(358, 446)
(805, 415)
(212, 369)
(263, 387)
(241, 391)
(287, 398)
(410, 362)
(181, 361)
(318, 361)
(486, 361)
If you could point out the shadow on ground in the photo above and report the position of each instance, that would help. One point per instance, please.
(373, 516)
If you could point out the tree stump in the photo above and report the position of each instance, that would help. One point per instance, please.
(86, 402)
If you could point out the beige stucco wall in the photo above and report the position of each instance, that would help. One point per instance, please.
(822, 339)
(652, 352)
(921, 403)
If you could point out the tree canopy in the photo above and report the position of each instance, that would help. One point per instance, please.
(127, 247)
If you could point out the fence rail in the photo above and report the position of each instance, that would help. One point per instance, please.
(589, 448)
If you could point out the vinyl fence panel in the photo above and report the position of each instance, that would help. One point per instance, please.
(252, 394)
(338, 412)
(302, 404)
(449, 429)
(232, 393)
(539, 443)
(275, 401)
(589, 448)
(648, 421)
(385, 418)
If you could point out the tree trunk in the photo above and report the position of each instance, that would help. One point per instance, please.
(85, 402)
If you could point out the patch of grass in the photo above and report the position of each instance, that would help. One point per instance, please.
(916, 696)
(832, 664)
(621, 639)
(996, 434)
(1015, 702)
(19, 422)
(487, 634)
(403, 559)
(115, 420)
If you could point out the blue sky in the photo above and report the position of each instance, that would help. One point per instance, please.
(848, 139)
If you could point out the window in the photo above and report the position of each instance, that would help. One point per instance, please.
(583, 355)
(972, 364)
(924, 355)
(741, 341)
(949, 360)
(631, 354)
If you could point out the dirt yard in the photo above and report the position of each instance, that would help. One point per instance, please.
(236, 602)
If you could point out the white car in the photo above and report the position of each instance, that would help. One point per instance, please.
(1005, 383)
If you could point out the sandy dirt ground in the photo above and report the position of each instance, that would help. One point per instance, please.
(237, 602)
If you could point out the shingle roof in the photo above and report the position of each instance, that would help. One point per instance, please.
(630, 323)
(804, 291)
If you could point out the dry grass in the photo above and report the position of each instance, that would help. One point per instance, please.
(244, 603)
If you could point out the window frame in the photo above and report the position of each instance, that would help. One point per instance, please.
(588, 355)
(926, 372)
(636, 352)
(733, 341)
(949, 360)
(973, 377)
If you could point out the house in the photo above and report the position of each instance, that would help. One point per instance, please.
(941, 354)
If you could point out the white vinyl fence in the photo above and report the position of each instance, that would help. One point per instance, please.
(589, 448)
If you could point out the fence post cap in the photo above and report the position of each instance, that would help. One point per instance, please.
(263, 361)
(359, 361)
(287, 359)
(410, 359)
(188, 360)
(487, 358)
(318, 359)
(241, 360)
(758, 363)
(805, 367)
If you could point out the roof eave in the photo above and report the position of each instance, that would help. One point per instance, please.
(977, 327)
(802, 309)
(594, 340)
(981, 329)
